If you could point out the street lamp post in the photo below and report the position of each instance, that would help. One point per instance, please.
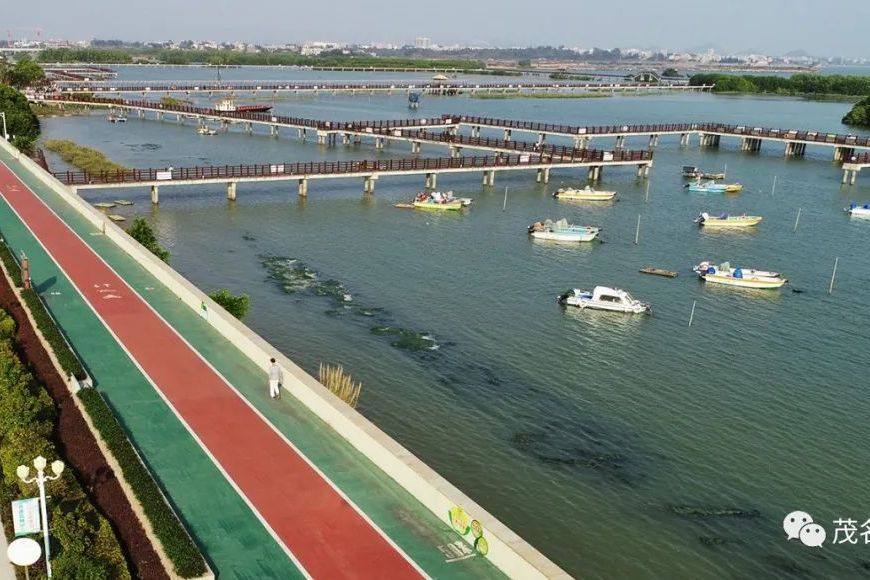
(5, 134)
(40, 478)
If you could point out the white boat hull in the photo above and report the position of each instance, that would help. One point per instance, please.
(571, 237)
(745, 282)
(863, 212)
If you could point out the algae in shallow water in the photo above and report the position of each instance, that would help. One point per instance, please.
(407, 339)
(712, 512)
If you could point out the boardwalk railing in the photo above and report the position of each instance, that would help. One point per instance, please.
(739, 130)
(338, 168)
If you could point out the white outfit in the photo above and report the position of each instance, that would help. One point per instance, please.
(276, 377)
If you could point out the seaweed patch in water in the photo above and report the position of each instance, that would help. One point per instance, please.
(248, 237)
(541, 446)
(143, 146)
(712, 512)
(407, 339)
(290, 274)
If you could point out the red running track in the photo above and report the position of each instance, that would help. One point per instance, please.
(319, 527)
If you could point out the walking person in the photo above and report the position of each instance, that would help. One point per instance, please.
(276, 379)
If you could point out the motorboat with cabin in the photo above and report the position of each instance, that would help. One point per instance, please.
(562, 231)
(603, 298)
(692, 172)
(856, 210)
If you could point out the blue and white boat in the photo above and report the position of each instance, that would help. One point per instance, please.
(713, 187)
(858, 211)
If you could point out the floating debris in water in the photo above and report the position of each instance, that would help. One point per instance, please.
(248, 237)
(143, 146)
(711, 512)
(123, 202)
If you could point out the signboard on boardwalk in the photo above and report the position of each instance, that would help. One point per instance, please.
(25, 516)
(164, 175)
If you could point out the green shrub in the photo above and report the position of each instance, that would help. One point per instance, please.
(860, 114)
(84, 158)
(238, 306)
(69, 362)
(142, 233)
(20, 120)
(179, 547)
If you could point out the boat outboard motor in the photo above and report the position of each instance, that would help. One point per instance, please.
(562, 298)
(711, 270)
(738, 273)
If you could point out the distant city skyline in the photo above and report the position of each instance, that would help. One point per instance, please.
(772, 27)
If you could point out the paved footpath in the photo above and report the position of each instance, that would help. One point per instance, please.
(267, 489)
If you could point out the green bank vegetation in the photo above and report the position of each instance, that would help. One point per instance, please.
(796, 85)
(340, 384)
(85, 545)
(22, 125)
(84, 158)
(23, 74)
(859, 115)
(232, 57)
(238, 306)
(141, 231)
(562, 76)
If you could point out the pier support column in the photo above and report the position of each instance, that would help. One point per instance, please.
(249, 127)
(646, 169)
(620, 141)
(155, 194)
(455, 151)
(489, 177)
(322, 137)
(159, 115)
(357, 140)
(653, 140)
(345, 139)
(475, 131)
(843, 153)
(273, 130)
(369, 183)
(684, 139)
(379, 142)
(231, 190)
(543, 175)
(854, 177)
(415, 147)
(541, 137)
(431, 180)
(141, 113)
(303, 187)
(507, 134)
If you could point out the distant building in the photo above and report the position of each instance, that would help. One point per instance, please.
(315, 48)
(422, 42)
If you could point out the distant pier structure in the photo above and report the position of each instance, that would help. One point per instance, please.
(413, 100)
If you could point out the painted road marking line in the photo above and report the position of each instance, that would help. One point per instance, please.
(240, 397)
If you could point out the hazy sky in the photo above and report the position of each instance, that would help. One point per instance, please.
(820, 27)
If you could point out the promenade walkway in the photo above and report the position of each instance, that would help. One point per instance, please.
(267, 489)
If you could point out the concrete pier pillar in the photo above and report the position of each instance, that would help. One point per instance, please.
(684, 139)
(541, 137)
(475, 131)
(249, 127)
(455, 151)
(845, 176)
(854, 177)
(640, 171)
(543, 175)
(489, 177)
(652, 141)
(178, 118)
(415, 147)
(357, 140)
(345, 138)
(369, 183)
(379, 142)
(620, 141)
(507, 134)
(159, 115)
(141, 113)
(303, 187)
(231, 190)
(273, 130)
(155, 194)
(646, 170)
(431, 180)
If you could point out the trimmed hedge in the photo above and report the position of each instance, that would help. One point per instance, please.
(179, 547)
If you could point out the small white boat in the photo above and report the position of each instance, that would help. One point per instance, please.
(743, 277)
(440, 201)
(693, 172)
(116, 119)
(855, 210)
(727, 221)
(603, 298)
(206, 130)
(585, 194)
(562, 231)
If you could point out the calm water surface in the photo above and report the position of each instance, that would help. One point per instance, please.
(588, 433)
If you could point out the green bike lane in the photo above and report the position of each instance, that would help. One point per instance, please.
(235, 542)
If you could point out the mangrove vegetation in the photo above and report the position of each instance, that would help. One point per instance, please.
(84, 158)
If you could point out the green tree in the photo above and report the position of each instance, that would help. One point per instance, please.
(142, 233)
(25, 73)
(238, 306)
(859, 115)
(22, 125)
(671, 72)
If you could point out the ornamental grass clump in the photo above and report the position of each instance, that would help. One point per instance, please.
(340, 384)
